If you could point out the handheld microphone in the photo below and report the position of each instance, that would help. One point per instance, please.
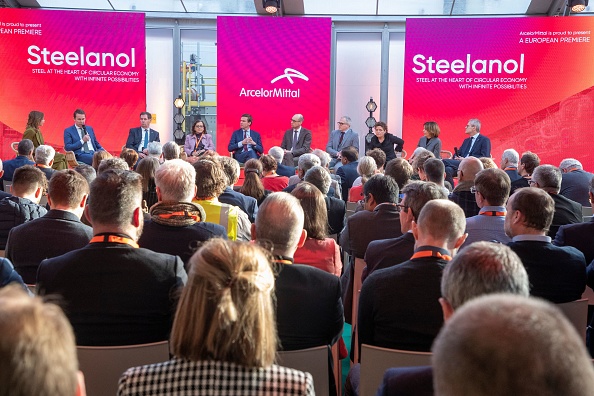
(84, 129)
(456, 152)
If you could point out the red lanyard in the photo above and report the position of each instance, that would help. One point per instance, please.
(114, 239)
(492, 213)
(430, 253)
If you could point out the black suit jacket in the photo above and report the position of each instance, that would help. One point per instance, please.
(285, 170)
(114, 294)
(56, 233)
(580, 236)
(566, 212)
(575, 185)
(556, 273)
(388, 252)
(135, 137)
(303, 142)
(481, 148)
(407, 381)
(248, 204)
(348, 174)
(336, 209)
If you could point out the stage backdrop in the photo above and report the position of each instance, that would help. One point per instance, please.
(528, 80)
(58, 61)
(273, 68)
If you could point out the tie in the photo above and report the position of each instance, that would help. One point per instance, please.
(294, 138)
(146, 138)
(245, 145)
(471, 144)
(86, 144)
(340, 140)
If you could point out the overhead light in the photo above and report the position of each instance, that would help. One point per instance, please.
(179, 102)
(271, 6)
(577, 5)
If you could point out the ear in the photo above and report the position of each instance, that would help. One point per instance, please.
(302, 238)
(460, 241)
(51, 163)
(1, 173)
(195, 190)
(415, 229)
(137, 217)
(49, 201)
(80, 385)
(446, 309)
(83, 201)
(159, 196)
(38, 192)
(253, 230)
(87, 213)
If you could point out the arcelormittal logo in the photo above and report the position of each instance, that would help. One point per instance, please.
(290, 73)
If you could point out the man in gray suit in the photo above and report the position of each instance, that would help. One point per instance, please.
(297, 141)
(343, 137)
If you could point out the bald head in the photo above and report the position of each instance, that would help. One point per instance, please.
(441, 223)
(468, 168)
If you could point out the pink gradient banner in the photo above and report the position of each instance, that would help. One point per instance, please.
(58, 61)
(273, 68)
(526, 79)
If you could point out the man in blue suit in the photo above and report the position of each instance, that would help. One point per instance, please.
(245, 143)
(343, 137)
(348, 171)
(24, 157)
(81, 139)
(139, 138)
(475, 145)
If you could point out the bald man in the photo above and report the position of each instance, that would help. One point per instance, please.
(462, 194)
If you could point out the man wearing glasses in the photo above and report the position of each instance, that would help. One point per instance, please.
(343, 137)
(297, 141)
(475, 145)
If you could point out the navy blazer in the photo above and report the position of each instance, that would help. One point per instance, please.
(237, 137)
(580, 236)
(248, 204)
(348, 173)
(284, 170)
(72, 139)
(481, 148)
(135, 138)
(11, 165)
(407, 381)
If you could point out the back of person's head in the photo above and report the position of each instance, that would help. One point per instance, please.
(307, 161)
(37, 347)
(483, 268)
(67, 188)
(319, 177)
(494, 185)
(420, 159)
(488, 162)
(210, 178)
(434, 170)
(170, 151)
(25, 147)
(115, 194)
(269, 164)
(378, 156)
(98, 157)
(252, 184)
(530, 161)
(511, 156)
(383, 188)
(418, 193)
(44, 154)
(570, 163)
(323, 156)
(349, 153)
(155, 149)
(469, 167)
(400, 170)
(231, 168)
(277, 153)
(442, 220)
(503, 344)
(535, 204)
(226, 311)
(548, 178)
(26, 180)
(113, 163)
(147, 167)
(87, 171)
(280, 222)
(366, 168)
(130, 156)
(314, 208)
(176, 181)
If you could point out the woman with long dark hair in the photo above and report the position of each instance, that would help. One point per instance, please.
(33, 133)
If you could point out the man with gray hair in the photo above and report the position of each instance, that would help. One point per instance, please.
(44, 159)
(296, 141)
(335, 207)
(277, 153)
(170, 151)
(155, 150)
(509, 163)
(548, 178)
(24, 157)
(335, 179)
(575, 181)
(229, 196)
(112, 163)
(340, 138)
(177, 225)
(306, 162)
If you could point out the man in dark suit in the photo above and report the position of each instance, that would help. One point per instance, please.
(556, 273)
(548, 178)
(575, 181)
(296, 141)
(24, 157)
(140, 137)
(44, 159)
(462, 194)
(245, 143)
(528, 163)
(475, 145)
(348, 171)
(283, 170)
(80, 138)
(229, 196)
(58, 232)
(122, 294)
(509, 163)
(386, 253)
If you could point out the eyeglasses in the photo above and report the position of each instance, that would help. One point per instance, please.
(341, 123)
(531, 182)
(199, 126)
(292, 120)
(402, 208)
(473, 189)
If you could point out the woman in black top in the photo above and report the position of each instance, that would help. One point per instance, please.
(385, 141)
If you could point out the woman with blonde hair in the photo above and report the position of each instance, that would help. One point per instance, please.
(430, 140)
(32, 132)
(224, 334)
(98, 157)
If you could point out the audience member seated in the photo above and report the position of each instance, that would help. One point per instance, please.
(467, 171)
(113, 163)
(283, 170)
(9, 275)
(3, 194)
(548, 178)
(147, 167)
(171, 151)
(434, 171)
(121, 294)
(335, 207)
(318, 250)
(23, 206)
(509, 163)
(528, 163)
(177, 225)
(488, 163)
(24, 157)
(271, 180)
(224, 335)
(348, 171)
(365, 168)
(418, 163)
(44, 159)
(491, 190)
(130, 156)
(575, 181)
(58, 232)
(386, 253)
(379, 157)
(400, 170)
(500, 345)
(252, 183)
(229, 196)
(335, 179)
(155, 150)
(98, 157)
(210, 183)
(37, 352)
(557, 273)
(305, 163)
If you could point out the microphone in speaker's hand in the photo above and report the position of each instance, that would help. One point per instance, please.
(456, 152)
(84, 129)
